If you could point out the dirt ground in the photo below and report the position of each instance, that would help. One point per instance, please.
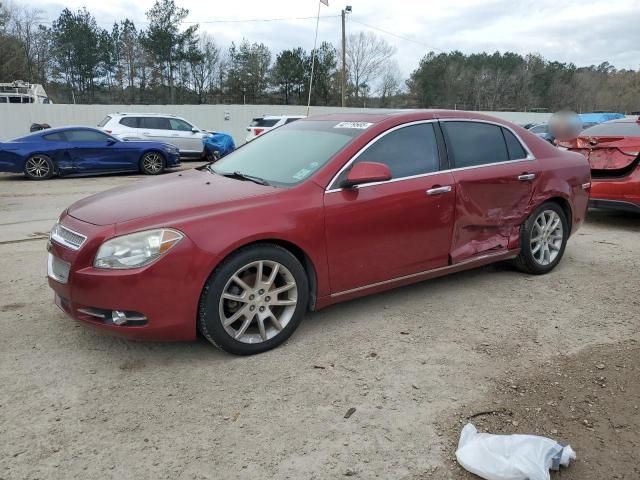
(414, 363)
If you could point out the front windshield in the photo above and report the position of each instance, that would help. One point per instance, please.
(290, 154)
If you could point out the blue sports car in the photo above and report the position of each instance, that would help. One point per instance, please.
(83, 151)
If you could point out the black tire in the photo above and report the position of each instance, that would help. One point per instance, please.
(527, 260)
(152, 163)
(39, 167)
(209, 317)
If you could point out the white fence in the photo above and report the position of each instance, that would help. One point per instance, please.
(15, 120)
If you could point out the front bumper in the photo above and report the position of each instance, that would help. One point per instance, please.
(173, 159)
(166, 292)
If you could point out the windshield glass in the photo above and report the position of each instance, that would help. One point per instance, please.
(290, 154)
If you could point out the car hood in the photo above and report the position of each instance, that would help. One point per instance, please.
(182, 193)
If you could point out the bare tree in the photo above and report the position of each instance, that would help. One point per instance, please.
(204, 64)
(390, 82)
(366, 55)
(24, 25)
(4, 17)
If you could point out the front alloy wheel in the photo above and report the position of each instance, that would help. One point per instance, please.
(258, 301)
(152, 163)
(254, 300)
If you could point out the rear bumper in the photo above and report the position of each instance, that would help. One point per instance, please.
(614, 205)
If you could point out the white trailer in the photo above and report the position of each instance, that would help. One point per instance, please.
(23, 92)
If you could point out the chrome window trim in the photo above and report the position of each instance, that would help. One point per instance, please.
(523, 144)
(61, 241)
(371, 142)
(525, 147)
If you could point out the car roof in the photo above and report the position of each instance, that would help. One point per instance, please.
(68, 127)
(406, 115)
(278, 117)
(49, 131)
(142, 114)
(624, 120)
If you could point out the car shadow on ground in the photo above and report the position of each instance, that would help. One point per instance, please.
(313, 326)
(19, 177)
(614, 219)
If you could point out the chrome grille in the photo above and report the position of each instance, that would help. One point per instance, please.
(66, 237)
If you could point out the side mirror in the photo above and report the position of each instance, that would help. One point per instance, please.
(195, 130)
(367, 172)
(111, 141)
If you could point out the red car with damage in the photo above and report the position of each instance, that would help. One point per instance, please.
(613, 151)
(319, 211)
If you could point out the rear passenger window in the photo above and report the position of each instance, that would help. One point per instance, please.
(475, 143)
(514, 147)
(131, 122)
(55, 137)
(155, 123)
(408, 151)
(81, 136)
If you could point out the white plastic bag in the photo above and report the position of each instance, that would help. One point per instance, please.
(510, 457)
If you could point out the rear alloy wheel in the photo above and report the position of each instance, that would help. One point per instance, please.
(152, 163)
(39, 167)
(543, 239)
(254, 301)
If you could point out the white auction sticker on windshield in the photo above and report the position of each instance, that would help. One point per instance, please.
(358, 125)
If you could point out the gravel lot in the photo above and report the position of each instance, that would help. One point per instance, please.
(414, 363)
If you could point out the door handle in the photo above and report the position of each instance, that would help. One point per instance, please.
(145, 133)
(525, 177)
(439, 190)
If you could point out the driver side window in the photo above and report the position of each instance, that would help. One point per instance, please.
(407, 151)
(179, 125)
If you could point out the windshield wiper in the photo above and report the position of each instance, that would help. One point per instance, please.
(244, 176)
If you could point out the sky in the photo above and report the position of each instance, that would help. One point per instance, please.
(585, 32)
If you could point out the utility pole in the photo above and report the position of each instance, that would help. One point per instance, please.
(346, 10)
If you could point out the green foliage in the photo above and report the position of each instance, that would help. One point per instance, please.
(80, 50)
(164, 41)
(326, 81)
(248, 73)
(510, 81)
(290, 75)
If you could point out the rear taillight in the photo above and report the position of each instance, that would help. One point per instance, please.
(108, 131)
(258, 131)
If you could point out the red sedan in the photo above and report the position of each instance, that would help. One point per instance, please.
(319, 211)
(613, 150)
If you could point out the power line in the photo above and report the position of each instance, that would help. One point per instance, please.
(401, 37)
(246, 20)
(281, 19)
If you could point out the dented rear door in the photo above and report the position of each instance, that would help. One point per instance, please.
(494, 187)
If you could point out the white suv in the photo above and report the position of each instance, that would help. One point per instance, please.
(158, 127)
(269, 122)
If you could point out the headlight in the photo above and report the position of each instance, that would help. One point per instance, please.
(137, 249)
